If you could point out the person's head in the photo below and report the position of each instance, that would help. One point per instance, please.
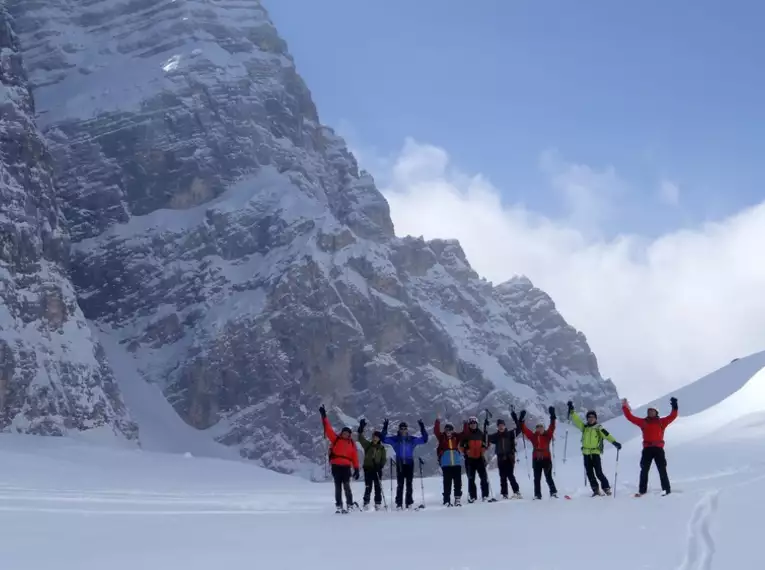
(540, 428)
(592, 418)
(403, 428)
(501, 425)
(653, 413)
(473, 422)
(345, 432)
(376, 437)
(448, 429)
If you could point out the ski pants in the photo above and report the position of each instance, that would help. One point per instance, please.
(657, 455)
(452, 476)
(507, 473)
(373, 477)
(473, 466)
(543, 465)
(342, 476)
(404, 475)
(594, 469)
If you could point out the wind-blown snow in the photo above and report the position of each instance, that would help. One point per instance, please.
(125, 508)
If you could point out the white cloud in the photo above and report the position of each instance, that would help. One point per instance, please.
(669, 193)
(658, 313)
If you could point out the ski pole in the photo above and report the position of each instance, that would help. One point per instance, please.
(326, 459)
(422, 484)
(565, 444)
(616, 471)
(378, 475)
(526, 454)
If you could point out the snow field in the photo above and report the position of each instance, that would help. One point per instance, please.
(72, 504)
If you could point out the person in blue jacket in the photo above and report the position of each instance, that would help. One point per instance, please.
(403, 445)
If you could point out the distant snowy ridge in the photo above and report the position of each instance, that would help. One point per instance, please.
(232, 254)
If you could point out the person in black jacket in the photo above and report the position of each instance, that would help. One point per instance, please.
(504, 446)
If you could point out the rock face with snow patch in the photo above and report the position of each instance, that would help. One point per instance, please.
(53, 375)
(232, 245)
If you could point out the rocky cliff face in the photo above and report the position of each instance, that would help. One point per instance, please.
(53, 375)
(231, 244)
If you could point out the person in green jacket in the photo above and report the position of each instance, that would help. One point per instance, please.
(374, 461)
(593, 435)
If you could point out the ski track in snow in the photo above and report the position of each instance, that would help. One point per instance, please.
(701, 546)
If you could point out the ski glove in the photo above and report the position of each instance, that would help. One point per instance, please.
(570, 405)
(323, 411)
(673, 402)
(617, 445)
(355, 474)
(515, 417)
(362, 425)
(522, 416)
(385, 426)
(422, 425)
(552, 412)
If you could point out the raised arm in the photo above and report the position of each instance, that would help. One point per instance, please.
(576, 420)
(423, 437)
(329, 433)
(551, 429)
(437, 428)
(527, 432)
(363, 441)
(630, 416)
(666, 420)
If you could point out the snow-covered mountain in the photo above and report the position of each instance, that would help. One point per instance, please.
(229, 243)
(53, 374)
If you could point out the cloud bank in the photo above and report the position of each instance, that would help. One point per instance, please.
(658, 313)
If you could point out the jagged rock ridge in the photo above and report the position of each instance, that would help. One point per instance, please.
(53, 375)
(233, 246)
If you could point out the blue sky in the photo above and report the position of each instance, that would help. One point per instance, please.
(660, 90)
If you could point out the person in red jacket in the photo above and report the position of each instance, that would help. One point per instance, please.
(653, 428)
(450, 460)
(343, 456)
(541, 439)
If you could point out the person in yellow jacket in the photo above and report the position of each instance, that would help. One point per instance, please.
(593, 435)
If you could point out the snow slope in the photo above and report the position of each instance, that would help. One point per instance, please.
(122, 509)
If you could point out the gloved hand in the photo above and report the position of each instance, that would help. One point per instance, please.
(355, 474)
(385, 426)
(362, 425)
(570, 405)
(673, 402)
(323, 411)
(617, 445)
(551, 410)
(421, 424)
(514, 416)
(522, 416)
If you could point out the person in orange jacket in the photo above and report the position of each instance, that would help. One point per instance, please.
(541, 439)
(343, 456)
(653, 428)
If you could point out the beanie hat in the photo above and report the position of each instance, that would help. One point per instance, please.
(654, 409)
(592, 414)
(377, 434)
(500, 422)
(472, 419)
(403, 425)
(448, 427)
(346, 428)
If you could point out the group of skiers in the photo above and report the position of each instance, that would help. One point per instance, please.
(469, 446)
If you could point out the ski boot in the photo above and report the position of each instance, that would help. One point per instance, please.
(410, 507)
(366, 506)
(457, 501)
(665, 493)
(399, 508)
(608, 492)
(597, 493)
(553, 495)
(339, 509)
(517, 496)
(505, 496)
(447, 503)
(378, 507)
(537, 497)
(471, 500)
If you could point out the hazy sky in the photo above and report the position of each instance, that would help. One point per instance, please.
(611, 151)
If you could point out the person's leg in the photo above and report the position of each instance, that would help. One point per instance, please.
(337, 478)
(646, 458)
(504, 470)
(409, 483)
(597, 466)
(511, 474)
(548, 467)
(378, 486)
(660, 458)
(589, 468)
(457, 478)
(446, 473)
(369, 479)
(399, 484)
(470, 468)
(347, 486)
(484, 477)
(537, 466)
